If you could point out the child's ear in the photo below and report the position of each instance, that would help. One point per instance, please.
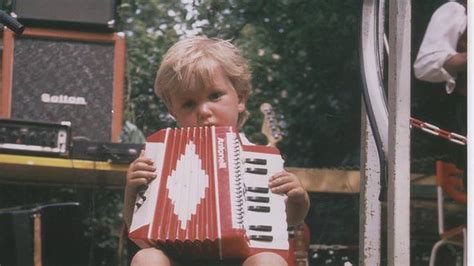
(241, 107)
(242, 103)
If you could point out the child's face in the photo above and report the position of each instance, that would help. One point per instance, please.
(215, 105)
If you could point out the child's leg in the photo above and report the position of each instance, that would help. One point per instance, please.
(151, 256)
(265, 258)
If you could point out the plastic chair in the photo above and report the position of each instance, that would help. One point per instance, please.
(449, 181)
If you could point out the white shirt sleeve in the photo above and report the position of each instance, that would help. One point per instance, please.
(445, 28)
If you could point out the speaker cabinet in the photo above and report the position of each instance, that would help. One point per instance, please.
(93, 15)
(54, 76)
(43, 234)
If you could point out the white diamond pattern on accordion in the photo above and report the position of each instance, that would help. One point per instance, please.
(187, 184)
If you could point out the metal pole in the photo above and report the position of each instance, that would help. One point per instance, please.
(399, 68)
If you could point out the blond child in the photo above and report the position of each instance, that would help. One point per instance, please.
(206, 82)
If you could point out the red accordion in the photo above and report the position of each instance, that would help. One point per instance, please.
(211, 197)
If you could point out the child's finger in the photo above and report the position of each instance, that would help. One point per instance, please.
(144, 165)
(283, 188)
(278, 174)
(142, 174)
(277, 181)
(144, 160)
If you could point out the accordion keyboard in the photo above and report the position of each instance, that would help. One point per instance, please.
(211, 191)
(264, 211)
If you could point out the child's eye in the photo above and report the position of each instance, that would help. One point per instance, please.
(215, 96)
(188, 105)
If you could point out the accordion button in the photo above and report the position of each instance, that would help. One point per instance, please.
(258, 171)
(258, 199)
(264, 228)
(256, 161)
(259, 208)
(258, 189)
(261, 238)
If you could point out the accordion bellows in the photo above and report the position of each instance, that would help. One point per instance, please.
(210, 198)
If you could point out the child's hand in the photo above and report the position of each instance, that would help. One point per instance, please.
(289, 184)
(140, 172)
(297, 203)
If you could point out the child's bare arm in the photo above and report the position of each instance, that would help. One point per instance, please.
(297, 204)
(139, 173)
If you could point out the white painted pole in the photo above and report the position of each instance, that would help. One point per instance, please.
(370, 206)
(370, 209)
(399, 69)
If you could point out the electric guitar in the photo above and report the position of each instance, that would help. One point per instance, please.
(274, 134)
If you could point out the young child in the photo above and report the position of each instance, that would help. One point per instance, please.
(206, 82)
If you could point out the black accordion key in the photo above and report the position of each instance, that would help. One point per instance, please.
(258, 171)
(261, 238)
(258, 199)
(259, 208)
(256, 161)
(258, 189)
(263, 228)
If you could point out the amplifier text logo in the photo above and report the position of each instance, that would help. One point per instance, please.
(63, 99)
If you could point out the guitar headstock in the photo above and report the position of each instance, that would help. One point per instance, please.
(270, 125)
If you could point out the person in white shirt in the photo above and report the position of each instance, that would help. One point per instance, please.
(442, 56)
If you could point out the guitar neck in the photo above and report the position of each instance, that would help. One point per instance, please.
(270, 125)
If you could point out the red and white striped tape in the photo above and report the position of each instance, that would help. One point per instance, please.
(434, 130)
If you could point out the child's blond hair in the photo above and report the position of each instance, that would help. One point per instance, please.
(193, 62)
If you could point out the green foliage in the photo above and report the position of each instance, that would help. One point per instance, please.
(303, 56)
(304, 60)
(149, 31)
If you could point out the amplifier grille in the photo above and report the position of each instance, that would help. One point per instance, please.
(51, 77)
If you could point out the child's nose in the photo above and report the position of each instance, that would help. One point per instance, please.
(204, 110)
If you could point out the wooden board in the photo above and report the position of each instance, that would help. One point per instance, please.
(37, 170)
(56, 171)
(342, 181)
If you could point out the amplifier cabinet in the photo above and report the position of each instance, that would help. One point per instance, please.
(90, 15)
(55, 75)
